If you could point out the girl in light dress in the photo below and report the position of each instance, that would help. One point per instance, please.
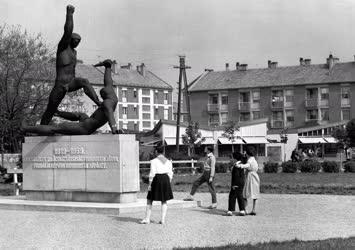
(159, 189)
(251, 188)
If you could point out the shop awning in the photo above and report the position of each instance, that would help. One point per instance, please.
(207, 141)
(330, 139)
(172, 141)
(255, 140)
(224, 140)
(311, 140)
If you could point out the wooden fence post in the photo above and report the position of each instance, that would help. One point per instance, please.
(193, 167)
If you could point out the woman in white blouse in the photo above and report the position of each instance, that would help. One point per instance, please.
(159, 189)
(251, 188)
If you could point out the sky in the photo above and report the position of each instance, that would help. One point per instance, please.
(209, 33)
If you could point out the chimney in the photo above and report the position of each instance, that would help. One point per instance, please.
(128, 66)
(114, 66)
(301, 61)
(307, 62)
(273, 65)
(142, 69)
(330, 61)
(269, 64)
(227, 66)
(243, 67)
(138, 70)
(237, 65)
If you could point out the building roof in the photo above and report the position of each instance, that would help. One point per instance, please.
(122, 77)
(280, 76)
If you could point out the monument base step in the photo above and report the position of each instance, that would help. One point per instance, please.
(20, 203)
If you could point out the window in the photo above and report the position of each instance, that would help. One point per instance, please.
(146, 92)
(312, 114)
(135, 110)
(166, 114)
(324, 93)
(256, 96)
(224, 118)
(146, 100)
(290, 119)
(146, 108)
(345, 114)
(324, 113)
(124, 93)
(277, 116)
(312, 93)
(135, 93)
(244, 117)
(256, 115)
(224, 99)
(277, 96)
(345, 96)
(289, 97)
(244, 97)
(214, 119)
(166, 96)
(146, 116)
(156, 97)
(213, 98)
(124, 110)
(136, 127)
(146, 124)
(156, 113)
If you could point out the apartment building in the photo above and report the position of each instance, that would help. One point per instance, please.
(143, 97)
(291, 97)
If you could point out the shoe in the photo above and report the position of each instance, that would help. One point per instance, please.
(190, 198)
(144, 221)
(229, 213)
(213, 206)
(162, 223)
(242, 213)
(252, 213)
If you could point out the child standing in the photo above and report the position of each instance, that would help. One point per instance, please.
(237, 185)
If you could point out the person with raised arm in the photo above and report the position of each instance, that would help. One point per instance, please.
(65, 80)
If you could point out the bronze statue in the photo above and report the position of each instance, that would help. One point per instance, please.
(65, 80)
(86, 125)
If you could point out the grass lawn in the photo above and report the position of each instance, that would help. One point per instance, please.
(284, 183)
(336, 243)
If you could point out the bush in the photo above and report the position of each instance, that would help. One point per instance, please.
(289, 167)
(330, 167)
(310, 166)
(271, 167)
(349, 167)
(221, 167)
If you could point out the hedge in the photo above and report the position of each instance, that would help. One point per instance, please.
(310, 166)
(289, 167)
(271, 167)
(330, 167)
(349, 167)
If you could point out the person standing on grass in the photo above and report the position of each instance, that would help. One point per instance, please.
(209, 170)
(251, 188)
(159, 189)
(237, 185)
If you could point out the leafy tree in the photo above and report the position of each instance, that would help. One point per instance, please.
(192, 137)
(350, 130)
(229, 132)
(341, 135)
(26, 76)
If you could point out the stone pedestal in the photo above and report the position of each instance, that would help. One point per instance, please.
(95, 168)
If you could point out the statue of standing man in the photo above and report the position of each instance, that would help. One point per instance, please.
(65, 80)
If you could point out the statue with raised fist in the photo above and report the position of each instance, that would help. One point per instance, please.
(65, 80)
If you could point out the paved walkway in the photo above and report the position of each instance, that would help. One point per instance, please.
(280, 217)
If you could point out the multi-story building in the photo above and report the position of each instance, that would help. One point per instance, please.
(306, 101)
(290, 97)
(143, 97)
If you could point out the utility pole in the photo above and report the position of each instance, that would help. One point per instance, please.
(182, 74)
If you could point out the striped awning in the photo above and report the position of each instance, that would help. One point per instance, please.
(224, 140)
(330, 139)
(255, 140)
(312, 140)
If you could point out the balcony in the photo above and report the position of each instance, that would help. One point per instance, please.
(244, 106)
(324, 103)
(213, 123)
(311, 102)
(277, 123)
(215, 108)
(277, 104)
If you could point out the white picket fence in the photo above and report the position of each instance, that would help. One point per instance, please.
(192, 166)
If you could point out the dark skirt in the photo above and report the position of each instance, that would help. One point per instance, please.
(160, 189)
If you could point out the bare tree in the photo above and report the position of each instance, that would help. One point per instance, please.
(26, 75)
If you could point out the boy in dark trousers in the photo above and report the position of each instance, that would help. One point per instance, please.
(237, 185)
